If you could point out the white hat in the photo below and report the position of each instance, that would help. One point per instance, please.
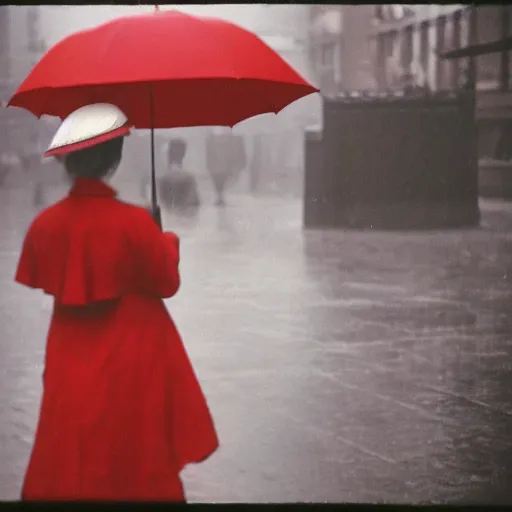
(88, 126)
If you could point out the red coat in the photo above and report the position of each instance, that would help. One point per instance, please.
(122, 411)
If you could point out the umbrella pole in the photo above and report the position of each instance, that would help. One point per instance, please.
(154, 201)
(153, 176)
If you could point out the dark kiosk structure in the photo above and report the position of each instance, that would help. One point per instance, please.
(404, 160)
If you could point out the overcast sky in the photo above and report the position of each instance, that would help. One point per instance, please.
(60, 21)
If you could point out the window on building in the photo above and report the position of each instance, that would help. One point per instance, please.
(456, 43)
(489, 27)
(393, 64)
(464, 28)
(328, 67)
(391, 39)
(380, 61)
(504, 60)
(507, 29)
(424, 53)
(338, 72)
(393, 12)
(406, 50)
(495, 136)
(327, 53)
(509, 54)
(442, 77)
(379, 12)
(449, 41)
(464, 64)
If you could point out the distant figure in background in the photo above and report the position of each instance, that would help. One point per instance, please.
(4, 172)
(178, 189)
(225, 159)
(7, 161)
(30, 162)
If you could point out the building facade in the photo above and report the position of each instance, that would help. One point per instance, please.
(407, 48)
(406, 41)
(340, 49)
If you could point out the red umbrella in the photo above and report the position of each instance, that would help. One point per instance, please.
(202, 71)
(163, 69)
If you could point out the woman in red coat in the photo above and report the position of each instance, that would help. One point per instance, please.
(122, 411)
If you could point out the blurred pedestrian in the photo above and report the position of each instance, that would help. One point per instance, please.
(4, 168)
(178, 188)
(122, 412)
(225, 159)
(30, 160)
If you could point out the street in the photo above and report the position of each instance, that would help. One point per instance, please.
(339, 366)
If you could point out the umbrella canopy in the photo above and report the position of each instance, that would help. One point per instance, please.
(193, 71)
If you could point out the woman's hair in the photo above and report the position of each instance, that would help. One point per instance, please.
(96, 161)
(176, 151)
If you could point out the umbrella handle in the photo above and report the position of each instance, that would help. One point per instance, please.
(157, 214)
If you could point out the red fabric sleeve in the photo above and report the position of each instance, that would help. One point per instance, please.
(76, 266)
(85, 263)
(158, 256)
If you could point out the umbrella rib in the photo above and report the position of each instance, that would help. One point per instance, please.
(41, 110)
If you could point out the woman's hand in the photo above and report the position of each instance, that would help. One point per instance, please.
(157, 255)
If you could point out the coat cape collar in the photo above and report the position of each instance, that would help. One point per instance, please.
(91, 187)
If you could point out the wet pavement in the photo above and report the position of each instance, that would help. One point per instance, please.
(339, 366)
